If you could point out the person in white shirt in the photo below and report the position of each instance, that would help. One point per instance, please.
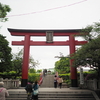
(3, 92)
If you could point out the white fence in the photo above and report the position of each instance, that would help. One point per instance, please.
(10, 83)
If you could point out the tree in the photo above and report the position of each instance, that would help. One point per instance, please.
(89, 54)
(5, 55)
(3, 12)
(91, 31)
(39, 71)
(18, 60)
(32, 70)
(62, 66)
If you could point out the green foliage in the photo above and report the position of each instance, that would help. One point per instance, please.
(5, 55)
(33, 77)
(33, 63)
(32, 70)
(66, 78)
(89, 54)
(3, 12)
(62, 66)
(39, 71)
(17, 63)
(91, 31)
(9, 75)
(91, 74)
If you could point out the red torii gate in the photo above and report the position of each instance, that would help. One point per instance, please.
(27, 43)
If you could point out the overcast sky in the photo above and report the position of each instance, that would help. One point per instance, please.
(48, 14)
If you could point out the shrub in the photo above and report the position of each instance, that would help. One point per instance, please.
(33, 77)
(66, 78)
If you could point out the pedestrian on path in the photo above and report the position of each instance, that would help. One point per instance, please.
(3, 92)
(35, 91)
(60, 81)
(29, 90)
(55, 81)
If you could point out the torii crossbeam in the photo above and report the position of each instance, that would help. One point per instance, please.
(27, 43)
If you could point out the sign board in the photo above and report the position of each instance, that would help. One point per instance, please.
(49, 36)
(81, 76)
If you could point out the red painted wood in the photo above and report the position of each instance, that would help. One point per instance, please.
(40, 34)
(27, 43)
(25, 65)
(72, 50)
(43, 43)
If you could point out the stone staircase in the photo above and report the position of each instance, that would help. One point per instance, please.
(66, 96)
(55, 94)
(48, 81)
(48, 92)
(17, 95)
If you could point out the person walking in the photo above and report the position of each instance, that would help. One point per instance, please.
(60, 80)
(3, 92)
(35, 91)
(55, 81)
(29, 90)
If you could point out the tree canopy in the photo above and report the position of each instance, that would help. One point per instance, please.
(62, 66)
(89, 54)
(91, 31)
(5, 54)
(3, 12)
(17, 61)
(5, 50)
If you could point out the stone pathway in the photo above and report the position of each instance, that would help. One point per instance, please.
(48, 81)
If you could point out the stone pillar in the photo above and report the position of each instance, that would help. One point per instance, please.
(1, 79)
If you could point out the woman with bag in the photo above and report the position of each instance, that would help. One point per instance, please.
(60, 80)
(35, 91)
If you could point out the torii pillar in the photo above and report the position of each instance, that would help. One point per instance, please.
(27, 43)
(73, 70)
(25, 65)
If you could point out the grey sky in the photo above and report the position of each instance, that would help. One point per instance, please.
(49, 14)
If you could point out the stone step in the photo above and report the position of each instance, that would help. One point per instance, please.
(66, 99)
(48, 81)
(66, 96)
(52, 99)
(54, 94)
(16, 98)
